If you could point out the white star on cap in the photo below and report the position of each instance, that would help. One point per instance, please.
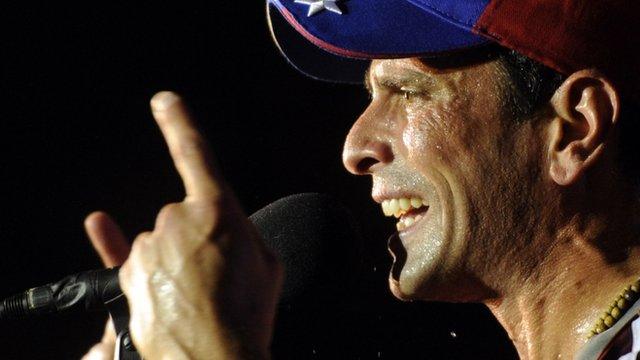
(315, 6)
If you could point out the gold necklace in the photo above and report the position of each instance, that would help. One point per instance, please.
(618, 307)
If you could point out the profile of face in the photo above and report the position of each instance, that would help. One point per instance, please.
(449, 160)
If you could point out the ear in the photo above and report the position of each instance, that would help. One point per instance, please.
(586, 107)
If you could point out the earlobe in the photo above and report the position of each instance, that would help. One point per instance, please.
(569, 165)
(586, 107)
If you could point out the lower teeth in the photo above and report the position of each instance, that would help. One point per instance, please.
(406, 222)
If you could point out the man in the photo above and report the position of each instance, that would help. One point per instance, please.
(498, 133)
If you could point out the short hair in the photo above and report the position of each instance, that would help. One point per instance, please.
(533, 84)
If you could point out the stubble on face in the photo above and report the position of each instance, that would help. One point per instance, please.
(454, 144)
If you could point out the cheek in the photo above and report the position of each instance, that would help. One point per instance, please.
(447, 143)
(433, 133)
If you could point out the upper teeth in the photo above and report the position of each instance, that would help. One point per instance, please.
(399, 207)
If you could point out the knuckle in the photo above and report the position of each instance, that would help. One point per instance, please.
(139, 241)
(142, 236)
(168, 212)
(208, 216)
(137, 248)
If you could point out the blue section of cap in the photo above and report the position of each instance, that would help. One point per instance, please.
(310, 59)
(464, 13)
(390, 28)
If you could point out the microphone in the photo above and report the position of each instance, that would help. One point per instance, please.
(315, 237)
(90, 290)
(319, 243)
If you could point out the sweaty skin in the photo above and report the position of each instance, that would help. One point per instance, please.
(201, 285)
(530, 217)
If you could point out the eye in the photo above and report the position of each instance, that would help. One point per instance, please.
(408, 93)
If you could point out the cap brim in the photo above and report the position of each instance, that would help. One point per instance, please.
(333, 47)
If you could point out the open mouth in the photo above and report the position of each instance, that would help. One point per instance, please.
(408, 211)
(399, 255)
(410, 218)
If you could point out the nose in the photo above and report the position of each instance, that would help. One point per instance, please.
(367, 147)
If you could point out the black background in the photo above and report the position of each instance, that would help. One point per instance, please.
(77, 136)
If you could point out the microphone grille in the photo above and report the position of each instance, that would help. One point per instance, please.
(317, 240)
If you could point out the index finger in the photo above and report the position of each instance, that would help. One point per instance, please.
(188, 149)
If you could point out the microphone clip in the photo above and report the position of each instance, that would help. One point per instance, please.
(119, 311)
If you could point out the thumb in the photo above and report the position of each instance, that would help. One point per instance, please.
(104, 350)
(107, 239)
(100, 351)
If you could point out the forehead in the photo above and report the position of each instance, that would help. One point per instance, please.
(381, 67)
(432, 70)
(397, 68)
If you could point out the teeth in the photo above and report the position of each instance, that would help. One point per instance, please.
(399, 207)
(385, 208)
(394, 207)
(405, 204)
(407, 221)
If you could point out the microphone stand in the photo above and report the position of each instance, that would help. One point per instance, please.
(119, 311)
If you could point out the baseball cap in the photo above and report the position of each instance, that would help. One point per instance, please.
(333, 39)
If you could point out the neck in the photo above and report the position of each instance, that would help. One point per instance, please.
(553, 320)
(550, 314)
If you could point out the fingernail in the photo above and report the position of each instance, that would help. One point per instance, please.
(163, 100)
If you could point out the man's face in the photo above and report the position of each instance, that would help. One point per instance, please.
(446, 156)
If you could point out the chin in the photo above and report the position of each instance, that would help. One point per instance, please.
(417, 271)
(408, 286)
(456, 287)
(423, 275)
(407, 290)
(394, 286)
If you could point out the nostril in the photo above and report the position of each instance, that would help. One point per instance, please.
(366, 159)
(365, 164)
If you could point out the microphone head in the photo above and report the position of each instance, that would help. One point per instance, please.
(317, 240)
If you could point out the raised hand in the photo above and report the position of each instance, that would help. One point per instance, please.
(201, 285)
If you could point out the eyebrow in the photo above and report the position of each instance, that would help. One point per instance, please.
(407, 78)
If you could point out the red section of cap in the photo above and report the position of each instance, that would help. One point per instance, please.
(570, 35)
